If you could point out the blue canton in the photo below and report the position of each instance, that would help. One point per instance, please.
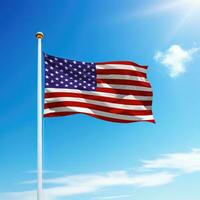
(64, 73)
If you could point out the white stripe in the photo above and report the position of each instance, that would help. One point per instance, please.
(120, 66)
(102, 94)
(122, 77)
(97, 112)
(124, 87)
(99, 103)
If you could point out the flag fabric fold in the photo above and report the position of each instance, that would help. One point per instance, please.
(115, 91)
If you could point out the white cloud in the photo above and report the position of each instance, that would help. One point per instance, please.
(185, 162)
(44, 171)
(113, 197)
(175, 59)
(65, 186)
(110, 179)
(80, 184)
(28, 195)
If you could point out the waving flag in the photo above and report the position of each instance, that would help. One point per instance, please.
(114, 91)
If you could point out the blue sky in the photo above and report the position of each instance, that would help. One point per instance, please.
(86, 158)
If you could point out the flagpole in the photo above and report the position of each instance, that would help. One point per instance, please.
(39, 36)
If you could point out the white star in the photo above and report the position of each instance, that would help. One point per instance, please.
(66, 85)
(80, 83)
(57, 84)
(56, 72)
(52, 81)
(84, 87)
(55, 58)
(88, 66)
(74, 62)
(47, 84)
(57, 66)
(93, 88)
(57, 78)
(60, 63)
(70, 83)
(52, 74)
(66, 79)
(75, 80)
(79, 66)
(93, 70)
(61, 70)
(47, 77)
(70, 65)
(84, 81)
(61, 76)
(88, 73)
(65, 61)
(83, 63)
(75, 86)
(51, 67)
(51, 60)
(80, 72)
(75, 69)
(61, 82)
(46, 63)
(46, 70)
(66, 68)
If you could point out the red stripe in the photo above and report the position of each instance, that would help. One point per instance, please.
(98, 98)
(58, 114)
(125, 92)
(97, 107)
(121, 72)
(124, 82)
(122, 63)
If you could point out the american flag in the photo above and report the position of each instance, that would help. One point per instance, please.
(114, 91)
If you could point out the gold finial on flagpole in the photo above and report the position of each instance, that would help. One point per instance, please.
(39, 35)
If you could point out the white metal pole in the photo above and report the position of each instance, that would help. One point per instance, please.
(39, 36)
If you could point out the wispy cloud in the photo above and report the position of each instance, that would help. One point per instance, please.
(169, 166)
(110, 179)
(81, 184)
(27, 195)
(185, 162)
(44, 171)
(89, 183)
(175, 59)
(112, 197)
